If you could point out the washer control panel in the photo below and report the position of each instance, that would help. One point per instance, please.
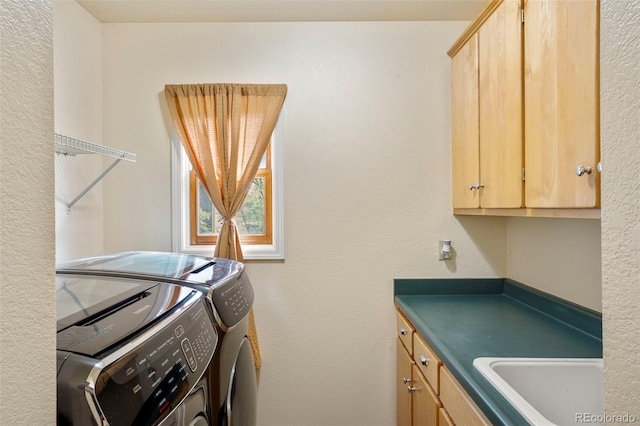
(145, 385)
(234, 300)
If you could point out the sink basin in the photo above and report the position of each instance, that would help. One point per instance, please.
(549, 391)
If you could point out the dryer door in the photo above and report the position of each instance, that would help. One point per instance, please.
(242, 397)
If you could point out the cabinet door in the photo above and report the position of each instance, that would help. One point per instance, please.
(500, 73)
(465, 142)
(425, 402)
(403, 382)
(561, 102)
(459, 405)
(443, 418)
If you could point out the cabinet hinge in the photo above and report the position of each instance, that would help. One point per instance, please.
(522, 15)
(523, 177)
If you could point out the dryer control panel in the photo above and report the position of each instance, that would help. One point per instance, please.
(145, 385)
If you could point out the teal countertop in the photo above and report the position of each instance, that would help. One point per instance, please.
(463, 319)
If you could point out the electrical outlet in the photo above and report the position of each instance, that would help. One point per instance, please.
(444, 252)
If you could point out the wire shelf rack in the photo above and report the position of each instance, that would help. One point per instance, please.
(72, 146)
(67, 145)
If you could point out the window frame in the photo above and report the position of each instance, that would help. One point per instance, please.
(252, 248)
(197, 239)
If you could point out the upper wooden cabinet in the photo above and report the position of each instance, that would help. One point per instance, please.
(525, 110)
(561, 107)
(500, 72)
(465, 130)
(486, 108)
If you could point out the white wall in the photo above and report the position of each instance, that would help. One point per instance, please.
(557, 256)
(78, 114)
(620, 80)
(27, 241)
(367, 184)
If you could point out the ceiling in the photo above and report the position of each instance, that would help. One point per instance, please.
(110, 11)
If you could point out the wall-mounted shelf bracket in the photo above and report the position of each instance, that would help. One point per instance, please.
(66, 145)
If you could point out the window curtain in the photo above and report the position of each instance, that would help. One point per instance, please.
(225, 129)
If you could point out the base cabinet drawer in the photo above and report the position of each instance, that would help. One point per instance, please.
(427, 362)
(404, 330)
(459, 405)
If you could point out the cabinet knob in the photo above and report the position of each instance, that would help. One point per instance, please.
(582, 170)
(405, 380)
(412, 388)
(403, 331)
(423, 360)
(477, 185)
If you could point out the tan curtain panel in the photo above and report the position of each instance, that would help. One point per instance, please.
(225, 130)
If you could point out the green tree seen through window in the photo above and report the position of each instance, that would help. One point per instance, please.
(250, 219)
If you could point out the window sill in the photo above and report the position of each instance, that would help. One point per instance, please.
(252, 252)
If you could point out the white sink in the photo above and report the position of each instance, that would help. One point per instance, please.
(549, 391)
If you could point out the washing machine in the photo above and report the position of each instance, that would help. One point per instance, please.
(132, 352)
(230, 376)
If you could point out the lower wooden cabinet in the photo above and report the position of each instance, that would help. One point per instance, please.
(444, 419)
(404, 364)
(426, 403)
(416, 402)
(459, 405)
(427, 394)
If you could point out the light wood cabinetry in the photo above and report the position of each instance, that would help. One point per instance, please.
(561, 58)
(426, 393)
(525, 110)
(458, 404)
(500, 93)
(404, 364)
(427, 362)
(486, 111)
(404, 331)
(417, 404)
(465, 137)
(444, 419)
(426, 403)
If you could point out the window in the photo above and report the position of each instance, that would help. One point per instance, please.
(253, 219)
(260, 221)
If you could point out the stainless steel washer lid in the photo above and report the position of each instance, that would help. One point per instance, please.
(199, 272)
(155, 264)
(95, 313)
(223, 281)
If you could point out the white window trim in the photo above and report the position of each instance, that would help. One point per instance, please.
(180, 202)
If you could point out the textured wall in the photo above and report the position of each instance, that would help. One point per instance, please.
(367, 190)
(27, 307)
(620, 85)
